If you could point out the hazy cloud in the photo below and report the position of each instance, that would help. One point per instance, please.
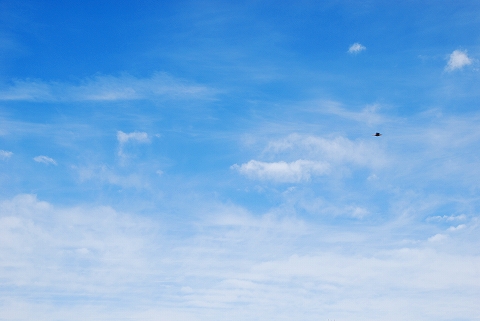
(45, 159)
(5, 154)
(108, 175)
(458, 59)
(356, 48)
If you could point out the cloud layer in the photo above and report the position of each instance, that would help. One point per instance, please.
(113, 265)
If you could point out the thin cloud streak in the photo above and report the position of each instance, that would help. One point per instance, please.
(45, 160)
(105, 88)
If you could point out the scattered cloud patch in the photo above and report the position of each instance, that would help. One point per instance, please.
(45, 160)
(105, 88)
(5, 154)
(356, 48)
(293, 172)
(457, 60)
(140, 137)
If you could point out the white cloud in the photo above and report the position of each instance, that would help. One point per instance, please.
(5, 154)
(45, 159)
(105, 88)
(356, 48)
(140, 137)
(297, 171)
(458, 59)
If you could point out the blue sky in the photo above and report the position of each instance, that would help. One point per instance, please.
(209, 160)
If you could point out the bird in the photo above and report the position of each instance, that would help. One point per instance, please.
(377, 134)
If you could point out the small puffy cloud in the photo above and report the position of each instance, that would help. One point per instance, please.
(297, 171)
(356, 48)
(458, 59)
(45, 159)
(140, 137)
(5, 154)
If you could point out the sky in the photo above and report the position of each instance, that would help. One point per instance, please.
(214, 160)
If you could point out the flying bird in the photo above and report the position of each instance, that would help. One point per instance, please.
(377, 134)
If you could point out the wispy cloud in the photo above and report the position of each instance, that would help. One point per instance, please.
(45, 160)
(334, 150)
(108, 175)
(5, 154)
(105, 88)
(369, 114)
(356, 48)
(457, 60)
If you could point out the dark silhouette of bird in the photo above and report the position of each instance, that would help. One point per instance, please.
(377, 134)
